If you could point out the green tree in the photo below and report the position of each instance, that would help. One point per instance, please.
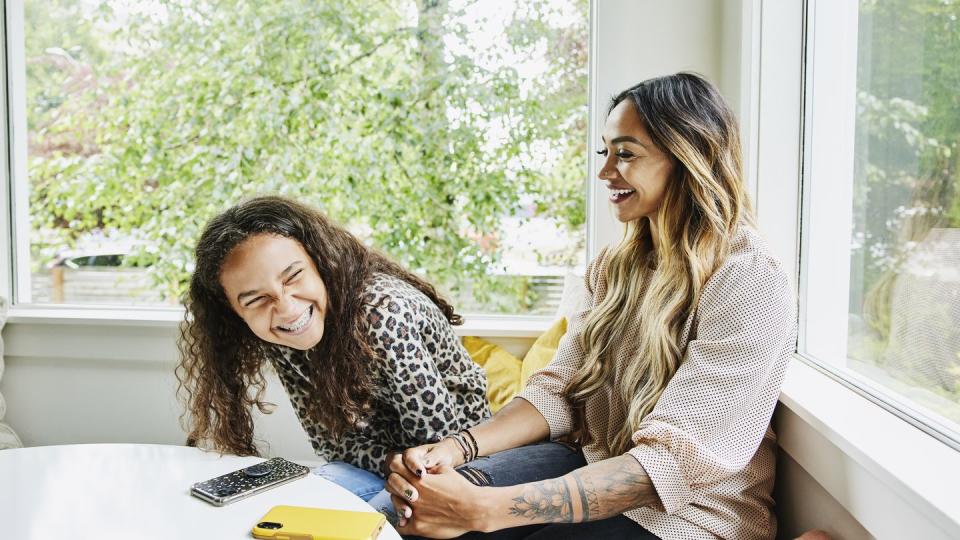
(359, 107)
(908, 127)
(907, 175)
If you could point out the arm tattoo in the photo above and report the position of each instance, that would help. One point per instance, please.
(606, 493)
(588, 496)
(547, 501)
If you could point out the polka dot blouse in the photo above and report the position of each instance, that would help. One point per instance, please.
(426, 386)
(707, 444)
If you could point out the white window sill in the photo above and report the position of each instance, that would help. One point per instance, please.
(62, 314)
(149, 334)
(896, 480)
(474, 325)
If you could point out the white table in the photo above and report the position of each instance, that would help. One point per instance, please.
(139, 491)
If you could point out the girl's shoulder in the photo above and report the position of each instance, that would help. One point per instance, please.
(384, 291)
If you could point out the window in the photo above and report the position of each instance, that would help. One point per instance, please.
(451, 135)
(880, 248)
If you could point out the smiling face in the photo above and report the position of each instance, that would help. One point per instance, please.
(635, 170)
(273, 285)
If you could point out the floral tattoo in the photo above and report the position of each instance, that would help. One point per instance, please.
(547, 501)
(599, 491)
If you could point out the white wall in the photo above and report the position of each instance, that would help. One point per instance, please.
(112, 385)
(803, 504)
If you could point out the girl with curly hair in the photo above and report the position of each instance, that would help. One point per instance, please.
(365, 349)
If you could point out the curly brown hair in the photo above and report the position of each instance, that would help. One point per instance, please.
(220, 371)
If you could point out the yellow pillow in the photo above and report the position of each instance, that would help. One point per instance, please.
(542, 351)
(502, 368)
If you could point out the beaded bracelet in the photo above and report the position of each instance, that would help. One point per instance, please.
(464, 447)
(473, 442)
(470, 455)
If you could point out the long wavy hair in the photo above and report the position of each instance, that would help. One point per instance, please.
(220, 371)
(704, 203)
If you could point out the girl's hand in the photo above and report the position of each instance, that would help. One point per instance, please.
(442, 504)
(414, 463)
(428, 458)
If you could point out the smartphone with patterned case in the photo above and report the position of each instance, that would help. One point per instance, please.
(248, 481)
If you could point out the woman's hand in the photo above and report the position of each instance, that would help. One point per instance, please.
(439, 504)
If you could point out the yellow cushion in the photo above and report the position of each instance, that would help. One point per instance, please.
(502, 368)
(542, 351)
(506, 374)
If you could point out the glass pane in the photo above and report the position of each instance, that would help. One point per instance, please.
(451, 135)
(904, 330)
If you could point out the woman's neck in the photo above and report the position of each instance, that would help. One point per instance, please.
(652, 227)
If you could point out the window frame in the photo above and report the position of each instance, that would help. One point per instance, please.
(15, 278)
(830, 62)
(883, 467)
(15, 154)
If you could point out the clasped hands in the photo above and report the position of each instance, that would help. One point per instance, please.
(430, 497)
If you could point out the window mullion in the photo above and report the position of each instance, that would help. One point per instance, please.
(828, 189)
(17, 238)
(6, 234)
(778, 122)
(602, 227)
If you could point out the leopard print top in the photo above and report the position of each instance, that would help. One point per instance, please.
(425, 384)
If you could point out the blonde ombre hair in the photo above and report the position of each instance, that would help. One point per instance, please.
(704, 202)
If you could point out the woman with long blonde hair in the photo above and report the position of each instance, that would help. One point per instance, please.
(653, 420)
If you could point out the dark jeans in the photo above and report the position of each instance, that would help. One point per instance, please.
(543, 461)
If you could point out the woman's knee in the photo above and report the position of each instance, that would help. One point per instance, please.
(529, 463)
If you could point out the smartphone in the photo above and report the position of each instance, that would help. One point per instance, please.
(303, 523)
(248, 481)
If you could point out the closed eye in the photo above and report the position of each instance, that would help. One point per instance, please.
(253, 301)
(292, 278)
(602, 152)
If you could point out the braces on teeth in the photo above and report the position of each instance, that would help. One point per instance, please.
(300, 323)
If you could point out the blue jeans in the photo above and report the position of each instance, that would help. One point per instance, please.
(362, 483)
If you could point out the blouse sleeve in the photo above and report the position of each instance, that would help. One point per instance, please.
(437, 389)
(545, 388)
(713, 414)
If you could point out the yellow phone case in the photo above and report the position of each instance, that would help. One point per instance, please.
(304, 523)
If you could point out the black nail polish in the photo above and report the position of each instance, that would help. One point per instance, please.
(408, 493)
(420, 472)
